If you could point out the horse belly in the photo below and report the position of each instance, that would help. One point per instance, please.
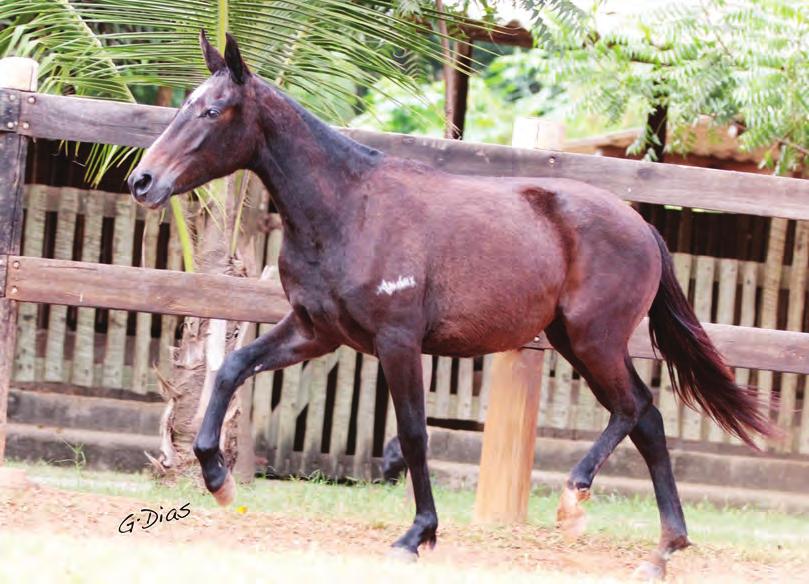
(492, 317)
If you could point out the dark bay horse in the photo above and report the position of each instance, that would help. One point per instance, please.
(394, 258)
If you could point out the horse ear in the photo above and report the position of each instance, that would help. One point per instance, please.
(213, 59)
(233, 57)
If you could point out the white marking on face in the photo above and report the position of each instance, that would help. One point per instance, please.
(258, 368)
(389, 287)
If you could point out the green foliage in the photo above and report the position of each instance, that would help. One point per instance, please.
(506, 89)
(319, 50)
(745, 62)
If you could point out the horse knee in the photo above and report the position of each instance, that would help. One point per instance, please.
(231, 372)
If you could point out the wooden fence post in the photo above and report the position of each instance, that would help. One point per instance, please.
(17, 74)
(509, 437)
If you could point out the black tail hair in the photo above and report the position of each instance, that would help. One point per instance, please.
(701, 377)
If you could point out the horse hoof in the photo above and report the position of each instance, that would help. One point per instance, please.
(225, 494)
(572, 527)
(570, 516)
(400, 554)
(649, 572)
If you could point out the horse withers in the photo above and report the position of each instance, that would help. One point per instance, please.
(395, 258)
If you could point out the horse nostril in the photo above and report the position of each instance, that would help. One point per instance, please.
(141, 186)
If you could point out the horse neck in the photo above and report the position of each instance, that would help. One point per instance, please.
(308, 167)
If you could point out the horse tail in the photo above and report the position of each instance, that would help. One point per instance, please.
(701, 378)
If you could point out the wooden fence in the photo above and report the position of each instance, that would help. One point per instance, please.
(115, 349)
(300, 426)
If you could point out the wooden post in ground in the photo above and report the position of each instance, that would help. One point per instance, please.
(509, 437)
(16, 74)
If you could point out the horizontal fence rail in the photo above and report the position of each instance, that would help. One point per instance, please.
(90, 120)
(74, 283)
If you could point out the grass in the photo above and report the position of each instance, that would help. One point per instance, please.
(754, 532)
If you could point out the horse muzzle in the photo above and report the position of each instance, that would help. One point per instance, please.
(146, 190)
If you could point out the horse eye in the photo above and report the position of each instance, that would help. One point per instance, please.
(211, 113)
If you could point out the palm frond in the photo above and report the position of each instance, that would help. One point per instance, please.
(320, 50)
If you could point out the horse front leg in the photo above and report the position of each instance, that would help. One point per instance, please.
(285, 345)
(400, 356)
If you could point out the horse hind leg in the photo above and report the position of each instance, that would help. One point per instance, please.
(650, 439)
(609, 372)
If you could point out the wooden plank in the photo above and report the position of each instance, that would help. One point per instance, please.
(748, 309)
(274, 239)
(33, 245)
(262, 405)
(747, 318)
(803, 437)
(391, 427)
(560, 407)
(307, 384)
(147, 290)
(795, 311)
(725, 310)
(141, 365)
(17, 74)
(465, 379)
(365, 418)
(313, 439)
(768, 311)
(548, 365)
(695, 426)
(57, 321)
(94, 120)
(341, 416)
(84, 347)
(509, 437)
(168, 325)
(485, 387)
(285, 432)
(443, 376)
(80, 119)
(122, 245)
(743, 346)
(644, 368)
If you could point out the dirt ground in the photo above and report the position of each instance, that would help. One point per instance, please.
(47, 511)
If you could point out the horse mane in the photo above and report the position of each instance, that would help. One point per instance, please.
(324, 133)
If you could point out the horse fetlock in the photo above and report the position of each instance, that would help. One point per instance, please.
(676, 543)
(205, 451)
(428, 525)
(429, 536)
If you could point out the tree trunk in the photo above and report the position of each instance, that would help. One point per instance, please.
(202, 349)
